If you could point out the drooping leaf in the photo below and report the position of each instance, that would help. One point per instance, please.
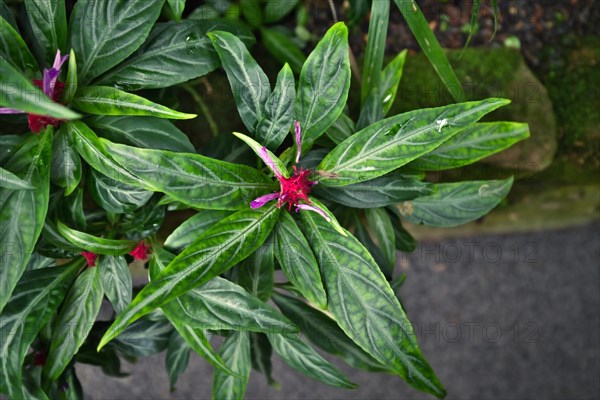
(377, 192)
(404, 240)
(364, 305)
(191, 178)
(66, 167)
(261, 352)
(116, 281)
(95, 244)
(472, 144)
(324, 84)
(34, 301)
(283, 48)
(48, 21)
(105, 100)
(15, 51)
(22, 212)
(279, 111)
(104, 33)
(256, 273)
(249, 84)
(297, 260)
(144, 337)
(18, 92)
(74, 322)
(189, 230)
(114, 196)
(455, 204)
(212, 253)
(175, 52)
(178, 357)
(303, 358)
(393, 142)
(235, 351)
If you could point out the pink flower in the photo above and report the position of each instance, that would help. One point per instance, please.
(293, 190)
(51, 88)
(140, 252)
(90, 258)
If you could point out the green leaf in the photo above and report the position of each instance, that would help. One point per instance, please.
(431, 47)
(104, 100)
(390, 80)
(383, 233)
(74, 322)
(303, 358)
(145, 337)
(22, 212)
(103, 34)
(97, 245)
(256, 273)
(175, 52)
(249, 84)
(371, 74)
(364, 305)
(297, 260)
(34, 301)
(377, 192)
(189, 230)
(9, 144)
(66, 167)
(275, 10)
(261, 352)
(324, 84)
(283, 48)
(192, 179)
(393, 142)
(257, 148)
(48, 21)
(71, 82)
(235, 351)
(18, 92)
(404, 240)
(178, 357)
(363, 236)
(472, 144)
(144, 132)
(342, 129)
(116, 281)
(279, 111)
(456, 203)
(325, 333)
(212, 253)
(473, 24)
(9, 180)
(114, 196)
(176, 7)
(14, 49)
(71, 209)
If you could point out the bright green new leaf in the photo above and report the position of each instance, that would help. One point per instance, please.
(176, 7)
(104, 100)
(95, 244)
(235, 351)
(364, 305)
(71, 82)
(324, 84)
(393, 142)
(104, 34)
(472, 144)
(116, 281)
(455, 204)
(48, 21)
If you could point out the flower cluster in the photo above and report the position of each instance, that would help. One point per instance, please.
(140, 253)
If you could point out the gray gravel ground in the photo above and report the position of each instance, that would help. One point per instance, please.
(498, 317)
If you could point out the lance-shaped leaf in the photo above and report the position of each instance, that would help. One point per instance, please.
(324, 84)
(303, 358)
(14, 49)
(279, 111)
(365, 306)
(382, 231)
(95, 244)
(48, 21)
(175, 52)
(235, 351)
(22, 212)
(211, 254)
(114, 196)
(105, 100)
(342, 129)
(390, 80)
(371, 74)
(297, 260)
(11, 181)
(145, 132)
(34, 301)
(192, 179)
(378, 192)
(116, 281)
(261, 352)
(193, 227)
(257, 272)
(66, 164)
(176, 7)
(472, 144)
(325, 333)
(404, 240)
(394, 142)
(249, 84)
(178, 357)
(71, 83)
(273, 162)
(103, 34)
(76, 318)
(19, 93)
(455, 204)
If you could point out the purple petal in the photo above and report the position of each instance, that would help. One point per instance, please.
(313, 208)
(264, 155)
(51, 75)
(298, 137)
(262, 200)
(4, 110)
(59, 60)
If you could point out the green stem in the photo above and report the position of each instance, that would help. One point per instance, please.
(203, 108)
